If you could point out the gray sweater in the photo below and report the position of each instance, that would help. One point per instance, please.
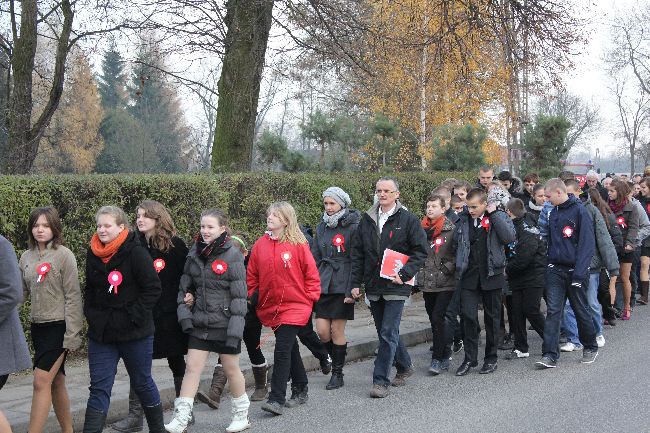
(605, 256)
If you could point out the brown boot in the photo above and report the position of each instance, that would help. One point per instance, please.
(643, 300)
(261, 384)
(213, 397)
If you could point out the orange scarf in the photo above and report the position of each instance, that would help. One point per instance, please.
(106, 251)
(433, 227)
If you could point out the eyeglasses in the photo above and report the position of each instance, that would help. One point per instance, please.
(384, 191)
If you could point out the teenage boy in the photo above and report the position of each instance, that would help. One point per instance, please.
(481, 235)
(525, 273)
(571, 246)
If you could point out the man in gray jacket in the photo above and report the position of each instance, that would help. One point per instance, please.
(605, 257)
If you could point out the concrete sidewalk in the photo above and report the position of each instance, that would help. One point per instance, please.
(15, 397)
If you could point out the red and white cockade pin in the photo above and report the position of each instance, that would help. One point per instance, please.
(339, 242)
(114, 279)
(219, 267)
(485, 223)
(286, 258)
(567, 231)
(159, 265)
(42, 271)
(438, 243)
(621, 222)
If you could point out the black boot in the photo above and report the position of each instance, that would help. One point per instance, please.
(178, 382)
(338, 361)
(155, 419)
(133, 421)
(94, 421)
(298, 395)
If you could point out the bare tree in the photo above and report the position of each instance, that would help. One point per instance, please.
(634, 116)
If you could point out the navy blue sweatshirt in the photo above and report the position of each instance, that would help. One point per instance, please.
(571, 240)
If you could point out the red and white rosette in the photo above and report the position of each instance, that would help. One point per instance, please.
(114, 279)
(621, 222)
(42, 271)
(438, 243)
(485, 223)
(567, 231)
(159, 265)
(339, 242)
(286, 258)
(219, 267)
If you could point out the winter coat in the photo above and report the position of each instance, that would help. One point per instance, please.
(516, 189)
(284, 280)
(605, 254)
(218, 285)
(571, 240)
(125, 314)
(615, 234)
(501, 232)
(644, 223)
(169, 339)
(15, 354)
(402, 233)
(628, 220)
(439, 269)
(333, 261)
(526, 257)
(57, 295)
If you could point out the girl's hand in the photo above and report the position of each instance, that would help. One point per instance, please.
(629, 248)
(348, 301)
(189, 299)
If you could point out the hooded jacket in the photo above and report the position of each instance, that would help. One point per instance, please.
(571, 240)
(284, 279)
(219, 294)
(437, 275)
(334, 261)
(402, 233)
(126, 313)
(501, 232)
(605, 254)
(628, 219)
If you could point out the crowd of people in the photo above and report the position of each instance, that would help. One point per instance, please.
(501, 245)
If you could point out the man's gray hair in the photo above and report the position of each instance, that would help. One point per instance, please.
(592, 173)
(391, 179)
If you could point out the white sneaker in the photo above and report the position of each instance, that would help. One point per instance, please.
(570, 347)
(182, 413)
(600, 340)
(240, 420)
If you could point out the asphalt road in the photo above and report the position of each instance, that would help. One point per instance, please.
(611, 395)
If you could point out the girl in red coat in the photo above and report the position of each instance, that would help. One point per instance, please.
(283, 284)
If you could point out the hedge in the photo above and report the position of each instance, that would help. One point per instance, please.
(244, 196)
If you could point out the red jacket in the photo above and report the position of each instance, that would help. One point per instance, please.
(287, 281)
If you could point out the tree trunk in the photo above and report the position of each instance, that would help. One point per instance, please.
(249, 23)
(24, 139)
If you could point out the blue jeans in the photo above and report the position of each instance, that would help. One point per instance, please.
(102, 361)
(558, 289)
(569, 324)
(387, 316)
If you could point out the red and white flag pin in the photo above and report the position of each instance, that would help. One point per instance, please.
(114, 279)
(42, 271)
(485, 223)
(219, 267)
(286, 258)
(621, 222)
(159, 265)
(339, 242)
(438, 243)
(567, 231)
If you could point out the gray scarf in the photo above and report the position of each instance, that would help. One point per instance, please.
(333, 220)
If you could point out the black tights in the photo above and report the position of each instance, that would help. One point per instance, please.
(177, 365)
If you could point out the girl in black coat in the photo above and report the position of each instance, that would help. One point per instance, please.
(122, 288)
(157, 233)
(331, 250)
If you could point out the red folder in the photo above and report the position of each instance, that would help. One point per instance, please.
(391, 264)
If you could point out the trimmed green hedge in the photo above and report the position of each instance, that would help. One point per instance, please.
(244, 196)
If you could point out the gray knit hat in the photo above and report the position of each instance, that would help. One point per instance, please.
(339, 196)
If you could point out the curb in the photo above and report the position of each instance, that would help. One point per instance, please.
(119, 406)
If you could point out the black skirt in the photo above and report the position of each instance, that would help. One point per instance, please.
(48, 344)
(213, 346)
(626, 257)
(332, 307)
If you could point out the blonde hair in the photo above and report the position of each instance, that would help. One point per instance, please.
(164, 228)
(287, 215)
(115, 212)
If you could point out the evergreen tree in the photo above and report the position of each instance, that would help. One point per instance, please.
(112, 81)
(458, 148)
(545, 145)
(157, 108)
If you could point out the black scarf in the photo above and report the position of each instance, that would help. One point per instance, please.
(205, 249)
